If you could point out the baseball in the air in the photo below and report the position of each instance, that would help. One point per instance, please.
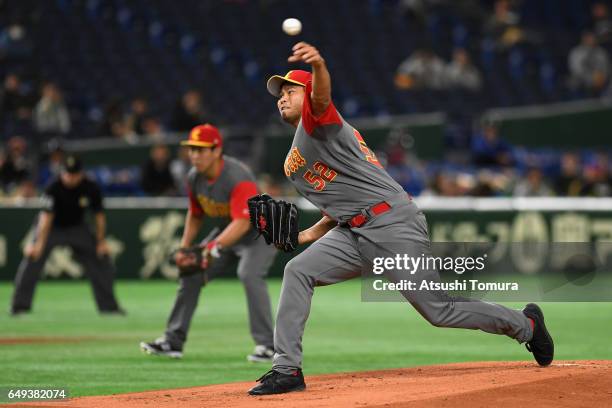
(292, 26)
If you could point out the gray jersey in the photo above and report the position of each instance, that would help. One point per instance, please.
(224, 198)
(332, 167)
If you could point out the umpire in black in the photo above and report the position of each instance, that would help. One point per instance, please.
(62, 222)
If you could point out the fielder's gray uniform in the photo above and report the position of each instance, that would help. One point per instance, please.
(225, 198)
(331, 166)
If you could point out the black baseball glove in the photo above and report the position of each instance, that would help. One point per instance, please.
(276, 220)
(190, 260)
(196, 258)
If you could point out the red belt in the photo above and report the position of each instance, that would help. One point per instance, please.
(360, 219)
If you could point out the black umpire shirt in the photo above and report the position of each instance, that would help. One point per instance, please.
(68, 205)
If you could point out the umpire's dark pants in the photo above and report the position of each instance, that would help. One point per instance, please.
(83, 243)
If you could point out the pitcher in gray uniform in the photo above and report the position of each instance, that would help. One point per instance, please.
(330, 164)
(218, 187)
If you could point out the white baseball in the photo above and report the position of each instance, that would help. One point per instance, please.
(292, 26)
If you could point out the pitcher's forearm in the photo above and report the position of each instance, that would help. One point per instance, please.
(322, 227)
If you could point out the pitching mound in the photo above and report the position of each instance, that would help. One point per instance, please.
(486, 384)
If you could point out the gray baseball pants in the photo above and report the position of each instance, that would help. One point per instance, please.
(255, 258)
(339, 256)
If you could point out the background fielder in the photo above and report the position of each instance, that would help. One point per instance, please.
(219, 187)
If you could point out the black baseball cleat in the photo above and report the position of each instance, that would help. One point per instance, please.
(113, 312)
(274, 382)
(541, 344)
(18, 311)
(161, 347)
(261, 354)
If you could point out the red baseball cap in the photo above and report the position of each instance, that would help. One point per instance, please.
(204, 136)
(297, 77)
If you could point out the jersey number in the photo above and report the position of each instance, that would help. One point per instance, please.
(322, 174)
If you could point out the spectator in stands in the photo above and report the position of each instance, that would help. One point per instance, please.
(115, 124)
(602, 23)
(490, 184)
(443, 184)
(569, 183)
(156, 179)
(533, 185)
(488, 149)
(589, 65)
(596, 179)
(153, 129)
(179, 168)
(503, 25)
(52, 165)
(403, 168)
(423, 69)
(461, 73)
(14, 43)
(51, 116)
(121, 130)
(16, 166)
(189, 112)
(139, 110)
(24, 190)
(13, 100)
(113, 115)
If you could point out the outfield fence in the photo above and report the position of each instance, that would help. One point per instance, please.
(142, 232)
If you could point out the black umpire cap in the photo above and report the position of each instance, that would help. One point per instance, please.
(72, 164)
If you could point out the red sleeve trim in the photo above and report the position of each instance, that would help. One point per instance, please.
(238, 199)
(310, 121)
(194, 206)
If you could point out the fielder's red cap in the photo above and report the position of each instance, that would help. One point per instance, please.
(297, 77)
(204, 136)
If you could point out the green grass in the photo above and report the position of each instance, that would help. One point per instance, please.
(342, 334)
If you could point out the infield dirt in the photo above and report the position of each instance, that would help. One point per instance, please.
(481, 384)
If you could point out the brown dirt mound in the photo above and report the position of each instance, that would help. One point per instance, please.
(484, 384)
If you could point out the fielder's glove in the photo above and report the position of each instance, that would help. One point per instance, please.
(276, 220)
(196, 258)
